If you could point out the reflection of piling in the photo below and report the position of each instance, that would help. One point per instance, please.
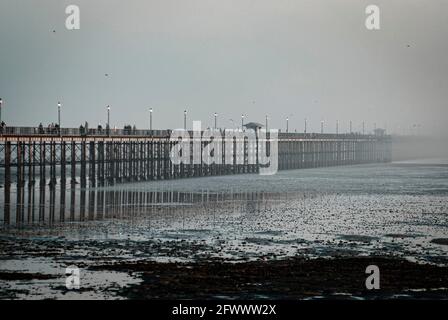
(82, 204)
(42, 203)
(52, 208)
(100, 204)
(62, 203)
(72, 202)
(30, 202)
(91, 204)
(7, 204)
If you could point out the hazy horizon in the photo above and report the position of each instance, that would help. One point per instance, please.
(296, 59)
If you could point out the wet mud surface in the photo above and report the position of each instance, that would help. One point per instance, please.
(306, 234)
(292, 278)
(186, 269)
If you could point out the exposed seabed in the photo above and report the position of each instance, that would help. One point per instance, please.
(307, 234)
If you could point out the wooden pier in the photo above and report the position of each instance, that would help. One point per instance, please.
(29, 156)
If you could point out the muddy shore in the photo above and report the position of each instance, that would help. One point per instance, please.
(304, 234)
(127, 270)
(293, 278)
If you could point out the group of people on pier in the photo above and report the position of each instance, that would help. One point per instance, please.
(52, 128)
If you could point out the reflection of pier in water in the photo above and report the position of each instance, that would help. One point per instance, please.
(39, 204)
(68, 176)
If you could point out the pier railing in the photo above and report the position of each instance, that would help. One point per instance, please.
(113, 132)
(71, 132)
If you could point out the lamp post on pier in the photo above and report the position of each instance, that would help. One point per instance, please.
(1, 103)
(59, 117)
(108, 121)
(216, 120)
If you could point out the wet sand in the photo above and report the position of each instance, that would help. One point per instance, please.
(300, 234)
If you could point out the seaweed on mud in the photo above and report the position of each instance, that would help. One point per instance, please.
(10, 276)
(292, 278)
(442, 241)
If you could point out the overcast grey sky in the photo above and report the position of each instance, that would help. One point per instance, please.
(309, 59)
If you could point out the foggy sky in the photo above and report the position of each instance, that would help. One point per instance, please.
(309, 59)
